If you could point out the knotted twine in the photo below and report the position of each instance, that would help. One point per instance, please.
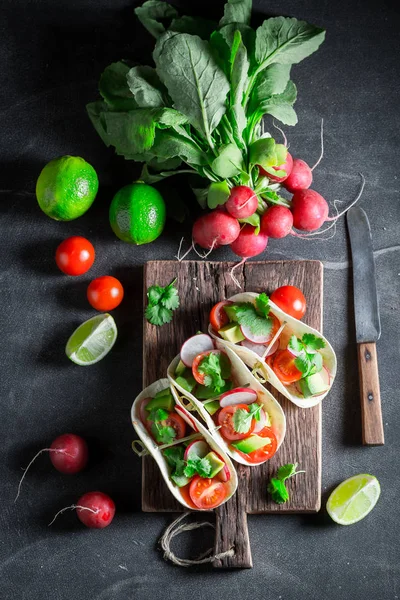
(176, 528)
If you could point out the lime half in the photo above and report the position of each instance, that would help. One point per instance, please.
(353, 499)
(92, 340)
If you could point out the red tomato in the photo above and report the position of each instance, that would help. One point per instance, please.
(291, 300)
(176, 422)
(105, 293)
(75, 255)
(218, 317)
(199, 377)
(284, 367)
(225, 419)
(207, 493)
(267, 451)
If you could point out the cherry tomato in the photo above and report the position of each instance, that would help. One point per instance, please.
(105, 293)
(75, 255)
(225, 419)
(200, 377)
(267, 451)
(218, 317)
(291, 300)
(176, 422)
(207, 493)
(284, 367)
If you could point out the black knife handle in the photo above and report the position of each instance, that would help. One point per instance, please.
(371, 412)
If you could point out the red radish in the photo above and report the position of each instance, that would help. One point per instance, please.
(261, 423)
(186, 416)
(248, 243)
(310, 210)
(215, 229)
(194, 346)
(68, 454)
(287, 166)
(300, 177)
(255, 339)
(238, 396)
(224, 474)
(197, 448)
(277, 221)
(242, 202)
(94, 509)
(260, 348)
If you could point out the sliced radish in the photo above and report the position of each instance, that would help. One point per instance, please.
(186, 416)
(260, 348)
(224, 474)
(256, 339)
(261, 423)
(197, 448)
(194, 346)
(238, 396)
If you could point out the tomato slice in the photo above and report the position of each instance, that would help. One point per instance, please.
(207, 493)
(267, 451)
(176, 422)
(218, 317)
(200, 377)
(291, 300)
(225, 419)
(284, 367)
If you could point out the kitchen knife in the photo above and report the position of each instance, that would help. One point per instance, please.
(368, 326)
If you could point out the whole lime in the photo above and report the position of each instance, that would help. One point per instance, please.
(66, 188)
(137, 213)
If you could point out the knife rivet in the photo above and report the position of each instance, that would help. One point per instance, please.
(367, 355)
(370, 396)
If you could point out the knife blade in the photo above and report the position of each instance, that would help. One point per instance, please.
(368, 325)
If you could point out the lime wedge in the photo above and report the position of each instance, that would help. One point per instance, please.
(353, 499)
(92, 340)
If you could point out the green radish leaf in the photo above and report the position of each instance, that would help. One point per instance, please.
(114, 88)
(218, 193)
(195, 82)
(239, 80)
(194, 25)
(201, 196)
(152, 13)
(262, 152)
(146, 87)
(229, 162)
(281, 153)
(273, 80)
(280, 106)
(172, 143)
(286, 41)
(248, 36)
(164, 165)
(253, 220)
(236, 11)
(150, 178)
(96, 112)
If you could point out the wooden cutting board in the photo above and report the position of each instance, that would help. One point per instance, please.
(201, 285)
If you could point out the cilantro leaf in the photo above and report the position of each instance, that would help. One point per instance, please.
(162, 301)
(303, 364)
(214, 367)
(158, 315)
(157, 415)
(163, 434)
(276, 486)
(241, 420)
(262, 304)
(201, 466)
(278, 491)
(247, 316)
(312, 342)
(180, 468)
(255, 410)
(295, 345)
(174, 455)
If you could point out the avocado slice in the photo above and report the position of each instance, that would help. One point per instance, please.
(216, 464)
(188, 382)
(254, 442)
(229, 309)
(165, 392)
(166, 402)
(313, 385)
(179, 480)
(180, 369)
(212, 407)
(232, 333)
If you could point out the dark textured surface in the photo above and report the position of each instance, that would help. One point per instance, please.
(51, 55)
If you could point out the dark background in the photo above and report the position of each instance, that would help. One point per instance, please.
(52, 53)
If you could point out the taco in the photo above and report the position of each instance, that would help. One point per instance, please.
(294, 358)
(241, 415)
(197, 472)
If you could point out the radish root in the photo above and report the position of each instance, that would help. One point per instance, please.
(33, 460)
(206, 254)
(72, 507)
(322, 146)
(281, 131)
(178, 256)
(235, 281)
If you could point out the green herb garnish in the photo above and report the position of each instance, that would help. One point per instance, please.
(201, 466)
(242, 418)
(217, 369)
(255, 317)
(162, 302)
(309, 360)
(276, 486)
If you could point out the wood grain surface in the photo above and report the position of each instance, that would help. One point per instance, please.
(371, 411)
(200, 285)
